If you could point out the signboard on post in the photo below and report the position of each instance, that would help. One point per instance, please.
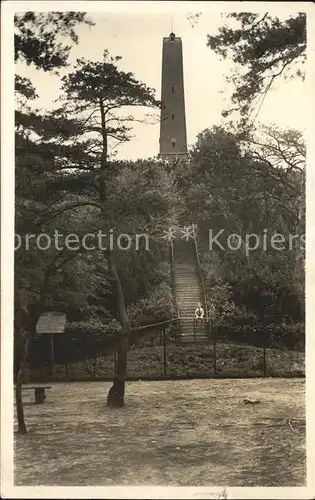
(51, 322)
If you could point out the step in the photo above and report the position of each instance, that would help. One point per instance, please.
(190, 303)
(187, 282)
(188, 287)
(187, 266)
(185, 258)
(190, 326)
(188, 306)
(186, 262)
(188, 323)
(186, 275)
(193, 280)
(191, 298)
(187, 312)
(188, 294)
(193, 340)
(191, 335)
(188, 318)
(189, 331)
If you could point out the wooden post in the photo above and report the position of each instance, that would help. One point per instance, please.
(40, 395)
(164, 350)
(214, 356)
(264, 362)
(53, 372)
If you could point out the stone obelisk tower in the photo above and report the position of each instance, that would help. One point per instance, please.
(173, 137)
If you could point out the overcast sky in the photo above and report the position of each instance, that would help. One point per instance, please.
(138, 39)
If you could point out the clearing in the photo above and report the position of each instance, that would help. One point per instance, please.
(180, 433)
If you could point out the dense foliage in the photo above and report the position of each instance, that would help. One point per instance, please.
(265, 48)
(242, 191)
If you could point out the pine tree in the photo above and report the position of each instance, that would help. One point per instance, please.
(266, 48)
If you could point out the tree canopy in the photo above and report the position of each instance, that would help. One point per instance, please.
(265, 48)
(39, 37)
(237, 184)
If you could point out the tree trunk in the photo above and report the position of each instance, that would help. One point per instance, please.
(18, 388)
(104, 136)
(115, 397)
(30, 319)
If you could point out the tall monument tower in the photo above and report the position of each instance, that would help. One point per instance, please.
(173, 137)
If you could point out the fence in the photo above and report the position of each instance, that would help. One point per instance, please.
(162, 355)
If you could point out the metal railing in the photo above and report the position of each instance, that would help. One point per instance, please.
(203, 291)
(152, 326)
(173, 284)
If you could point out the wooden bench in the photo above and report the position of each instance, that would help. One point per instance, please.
(40, 395)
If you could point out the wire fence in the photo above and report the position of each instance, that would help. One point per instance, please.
(164, 355)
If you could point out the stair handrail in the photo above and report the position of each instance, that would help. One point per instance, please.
(173, 280)
(203, 290)
(151, 325)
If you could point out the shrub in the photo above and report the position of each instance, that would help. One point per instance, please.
(282, 335)
(156, 308)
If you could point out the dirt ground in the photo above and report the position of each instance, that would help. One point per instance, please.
(181, 433)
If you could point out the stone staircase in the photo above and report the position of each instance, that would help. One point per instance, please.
(188, 289)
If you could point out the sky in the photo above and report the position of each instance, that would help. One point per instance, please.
(137, 38)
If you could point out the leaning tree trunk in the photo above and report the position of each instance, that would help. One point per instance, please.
(18, 388)
(30, 319)
(115, 397)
